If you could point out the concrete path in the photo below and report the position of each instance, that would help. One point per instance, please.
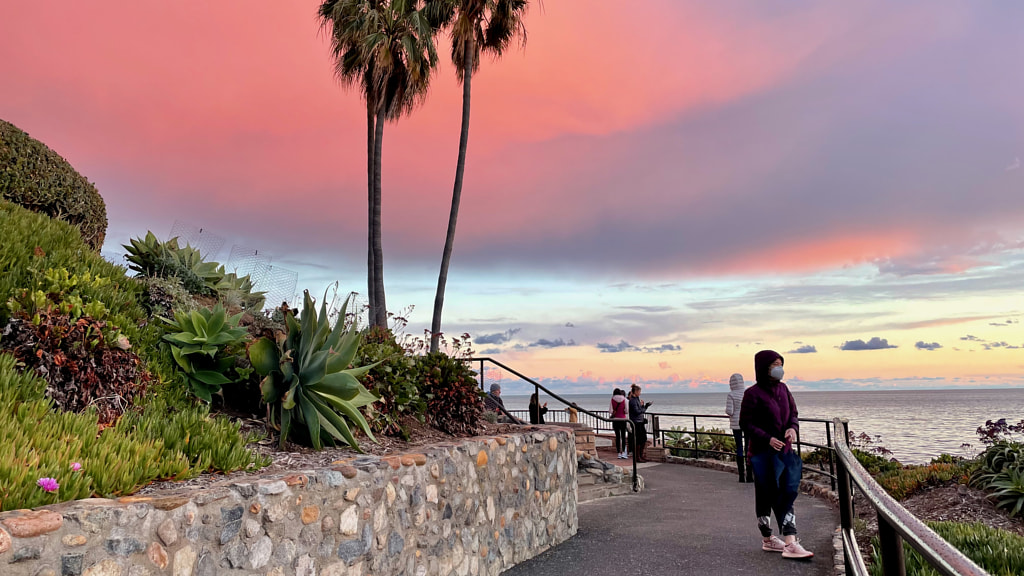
(689, 520)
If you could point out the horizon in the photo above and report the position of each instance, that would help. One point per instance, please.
(646, 201)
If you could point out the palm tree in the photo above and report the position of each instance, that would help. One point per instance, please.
(386, 48)
(476, 26)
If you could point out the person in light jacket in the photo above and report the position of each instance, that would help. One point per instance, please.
(732, 407)
(768, 417)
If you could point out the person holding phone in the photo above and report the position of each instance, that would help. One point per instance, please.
(638, 415)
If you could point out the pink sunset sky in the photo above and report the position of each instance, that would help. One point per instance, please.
(654, 190)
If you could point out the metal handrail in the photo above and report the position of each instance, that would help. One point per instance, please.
(895, 524)
(538, 386)
(799, 442)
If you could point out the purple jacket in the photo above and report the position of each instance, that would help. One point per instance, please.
(768, 408)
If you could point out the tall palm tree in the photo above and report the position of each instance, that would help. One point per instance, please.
(386, 48)
(476, 26)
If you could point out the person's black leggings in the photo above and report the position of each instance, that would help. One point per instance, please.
(620, 436)
(639, 440)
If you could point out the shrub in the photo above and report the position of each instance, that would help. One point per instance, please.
(906, 481)
(80, 369)
(155, 259)
(998, 552)
(202, 344)
(454, 399)
(393, 379)
(1001, 473)
(34, 244)
(34, 176)
(144, 446)
(681, 442)
(311, 392)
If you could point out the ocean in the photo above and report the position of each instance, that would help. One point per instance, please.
(916, 425)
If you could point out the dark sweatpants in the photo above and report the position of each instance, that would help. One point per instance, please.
(620, 436)
(776, 485)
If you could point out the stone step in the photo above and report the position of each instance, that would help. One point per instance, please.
(584, 479)
(603, 490)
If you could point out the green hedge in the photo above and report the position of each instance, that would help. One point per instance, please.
(34, 176)
(999, 552)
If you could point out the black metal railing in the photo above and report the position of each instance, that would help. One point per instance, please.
(895, 525)
(688, 440)
(581, 413)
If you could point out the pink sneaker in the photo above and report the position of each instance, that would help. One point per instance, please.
(772, 544)
(795, 550)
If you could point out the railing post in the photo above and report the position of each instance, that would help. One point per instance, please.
(891, 543)
(696, 442)
(845, 496)
(831, 455)
(799, 452)
(481, 374)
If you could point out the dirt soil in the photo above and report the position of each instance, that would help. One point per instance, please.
(298, 457)
(950, 502)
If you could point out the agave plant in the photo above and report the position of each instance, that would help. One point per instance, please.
(151, 257)
(307, 380)
(231, 282)
(199, 343)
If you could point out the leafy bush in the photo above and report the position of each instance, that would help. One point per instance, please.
(998, 552)
(1001, 473)
(81, 370)
(37, 178)
(875, 464)
(393, 378)
(681, 442)
(34, 244)
(201, 343)
(908, 480)
(311, 393)
(454, 399)
(152, 258)
(158, 443)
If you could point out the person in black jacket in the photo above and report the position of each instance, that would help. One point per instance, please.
(638, 415)
(537, 411)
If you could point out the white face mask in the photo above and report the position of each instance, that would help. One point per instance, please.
(777, 372)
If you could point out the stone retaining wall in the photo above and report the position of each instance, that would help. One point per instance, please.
(475, 507)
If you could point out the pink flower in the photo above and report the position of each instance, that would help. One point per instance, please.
(75, 466)
(48, 484)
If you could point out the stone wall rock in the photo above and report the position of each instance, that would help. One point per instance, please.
(476, 506)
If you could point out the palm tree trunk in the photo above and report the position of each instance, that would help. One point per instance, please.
(370, 152)
(453, 216)
(380, 314)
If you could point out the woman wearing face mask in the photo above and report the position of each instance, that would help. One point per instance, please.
(768, 417)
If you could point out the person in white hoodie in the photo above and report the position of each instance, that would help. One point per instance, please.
(732, 408)
(619, 409)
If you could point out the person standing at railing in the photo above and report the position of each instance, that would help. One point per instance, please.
(638, 415)
(537, 411)
(619, 409)
(494, 403)
(768, 416)
(732, 407)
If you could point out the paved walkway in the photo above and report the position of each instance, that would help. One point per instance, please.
(689, 520)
